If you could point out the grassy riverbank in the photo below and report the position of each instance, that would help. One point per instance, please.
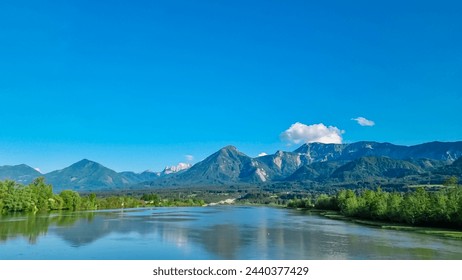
(449, 233)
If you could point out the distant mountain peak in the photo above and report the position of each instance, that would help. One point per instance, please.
(85, 162)
(174, 169)
(229, 148)
(86, 174)
(21, 173)
(224, 166)
(148, 171)
(228, 152)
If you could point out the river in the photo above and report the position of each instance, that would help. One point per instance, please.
(221, 232)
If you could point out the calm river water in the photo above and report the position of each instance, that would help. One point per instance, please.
(209, 233)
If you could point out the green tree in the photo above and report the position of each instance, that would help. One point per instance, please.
(416, 207)
(326, 202)
(348, 202)
(454, 206)
(89, 202)
(3, 195)
(41, 193)
(394, 207)
(151, 198)
(439, 212)
(293, 203)
(451, 181)
(56, 202)
(19, 199)
(378, 205)
(71, 199)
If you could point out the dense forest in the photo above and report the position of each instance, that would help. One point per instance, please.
(442, 208)
(39, 197)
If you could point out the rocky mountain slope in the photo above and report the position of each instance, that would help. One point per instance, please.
(314, 162)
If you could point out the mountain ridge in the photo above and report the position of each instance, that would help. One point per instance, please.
(20, 173)
(86, 174)
(432, 150)
(322, 163)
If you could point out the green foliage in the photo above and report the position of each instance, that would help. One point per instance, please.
(451, 181)
(305, 203)
(56, 202)
(416, 207)
(394, 206)
(442, 208)
(263, 197)
(71, 200)
(41, 194)
(326, 202)
(3, 195)
(152, 199)
(38, 196)
(347, 202)
(17, 198)
(375, 204)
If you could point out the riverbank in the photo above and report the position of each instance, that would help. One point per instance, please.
(448, 233)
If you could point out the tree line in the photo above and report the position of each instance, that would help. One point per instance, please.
(441, 208)
(39, 197)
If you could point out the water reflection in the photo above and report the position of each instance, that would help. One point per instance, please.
(223, 239)
(211, 233)
(33, 226)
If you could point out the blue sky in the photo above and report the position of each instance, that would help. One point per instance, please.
(138, 85)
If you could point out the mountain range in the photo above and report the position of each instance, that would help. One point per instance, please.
(310, 163)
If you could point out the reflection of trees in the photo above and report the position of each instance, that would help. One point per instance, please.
(32, 226)
(27, 226)
(101, 224)
(66, 219)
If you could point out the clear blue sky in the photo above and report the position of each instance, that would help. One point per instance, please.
(139, 85)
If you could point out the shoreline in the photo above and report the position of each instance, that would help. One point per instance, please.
(442, 232)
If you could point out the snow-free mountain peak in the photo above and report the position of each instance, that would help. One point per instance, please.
(86, 174)
(21, 173)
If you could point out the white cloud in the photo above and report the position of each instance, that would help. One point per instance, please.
(364, 122)
(302, 133)
(38, 169)
(262, 154)
(189, 157)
